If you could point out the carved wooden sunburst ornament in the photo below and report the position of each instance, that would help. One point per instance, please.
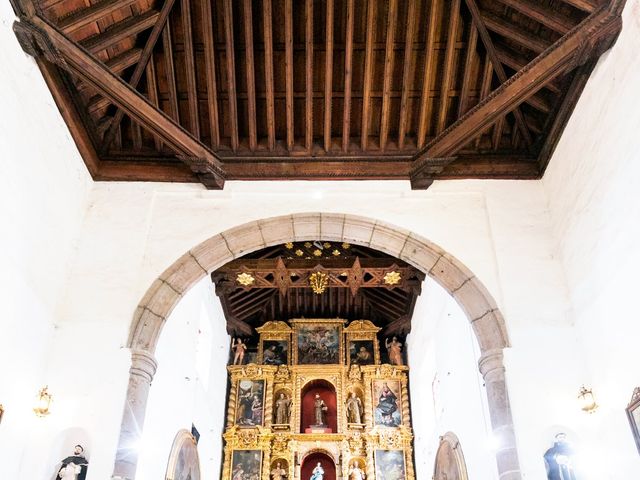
(318, 282)
(392, 278)
(245, 279)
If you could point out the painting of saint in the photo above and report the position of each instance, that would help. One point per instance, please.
(318, 344)
(246, 465)
(387, 401)
(390, 464)
(275, 352)
(250, 403)
(361, 352)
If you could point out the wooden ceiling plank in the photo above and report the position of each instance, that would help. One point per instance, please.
(152, 93)
(123, 61)
(308, 41)
(599, 28)
(288, 33)
(210, 72)
(495, 61)
(250, 70)
(429, 65)
(121, 31)
(328, 76)
(348, 74)
(545, 16)
(231, 73)
(389, 55)
(79, 62)
(167, 45)
(268, 73)
(368, 74)
(407, 73)
(466, 80)
(147, 51)
(449, 59)
(190, 69)
(512, 32)
(90, 14)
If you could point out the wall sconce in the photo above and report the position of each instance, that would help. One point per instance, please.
(43, 402)
(587, 400)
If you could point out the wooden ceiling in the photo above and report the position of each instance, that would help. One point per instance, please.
(215, 90)
(274, 284)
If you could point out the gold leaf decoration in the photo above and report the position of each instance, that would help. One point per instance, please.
(319, 282)
(245, 279)
(336, 252)
(392, 278)
(317, 252)
(326, 245)
(346, 246)
(308, 244)
(299, 252)
(288, 245)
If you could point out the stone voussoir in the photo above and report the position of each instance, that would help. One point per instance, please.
(276, 231)
(244, 239)
(212, 253)
(306, 226)
(332, 227)
(389, 240)
(420, 254)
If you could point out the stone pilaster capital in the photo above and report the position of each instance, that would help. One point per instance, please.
(491, 362)
(143, 364)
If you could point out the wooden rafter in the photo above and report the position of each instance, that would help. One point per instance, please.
(189, 58)
(518, 35)
(121, 31)
(328, 76)
(92, 13)
(389, 56)
(469, 58)
(429, 65)
(368, 73)
(268, 72)
(308, 41)
(251, 77)
(454, 21)
(231, 73)
(547, 17)
(407, 72)
(348, 74)
(288, 33)
(210, 73)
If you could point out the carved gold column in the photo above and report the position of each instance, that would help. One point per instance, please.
(492, 370)
(143, 368)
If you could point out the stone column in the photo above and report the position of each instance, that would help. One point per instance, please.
(492, 370)
(143, 368)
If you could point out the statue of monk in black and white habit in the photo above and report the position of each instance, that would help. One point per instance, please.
(75, 466)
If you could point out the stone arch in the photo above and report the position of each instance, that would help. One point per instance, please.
(480, 307)
(450, 464)
(184, 455)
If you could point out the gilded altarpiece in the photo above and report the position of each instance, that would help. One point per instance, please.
(331, 403)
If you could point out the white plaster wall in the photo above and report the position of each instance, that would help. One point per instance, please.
(594, 199)
(44, 188)
(179, 396)
(447, 392)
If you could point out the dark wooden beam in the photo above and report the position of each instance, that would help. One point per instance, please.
(592, 37)
(328, 75)
(513, 32)
(485, 89)
(288, 35)
(466, 80)
(121, 31)
(429, 64)
(389, 55)
(231, 73)
(495, 61)
(250, 71)
(190, 69)
(541, 14)
(368, 74)
(268, 72)
(449, 58)
(308, 40)
(348, 74)
(90, 14)
(158, 27)
(124, 60)
(152, 93)
(210, 73)
(517, 63)
(170, 72)
(407, 73)
(584, 5)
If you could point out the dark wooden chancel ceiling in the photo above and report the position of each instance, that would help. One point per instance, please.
(215, 90)
(275, 284)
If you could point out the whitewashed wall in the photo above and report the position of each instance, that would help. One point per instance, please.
(593, 191)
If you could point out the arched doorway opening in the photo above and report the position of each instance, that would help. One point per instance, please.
(318, 460)
(450, 464)
(312, 394)
(475, 300)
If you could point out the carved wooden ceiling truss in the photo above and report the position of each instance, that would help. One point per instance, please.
(215, 90)
(276, 284)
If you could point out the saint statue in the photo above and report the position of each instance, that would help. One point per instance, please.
(387, 406)
(559, 460)
(238, 347)
(278, 473)
(394, 350)
(75, 466)
(320, 408)
(318, 472)
(354, 409)
(355, 472)
(283, 409)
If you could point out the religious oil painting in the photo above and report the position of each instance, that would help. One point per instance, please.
(275, 352)
(390, 464)
(387, 401)
(246, 465)
(318, 344)
(361, 352)
(250, 403)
